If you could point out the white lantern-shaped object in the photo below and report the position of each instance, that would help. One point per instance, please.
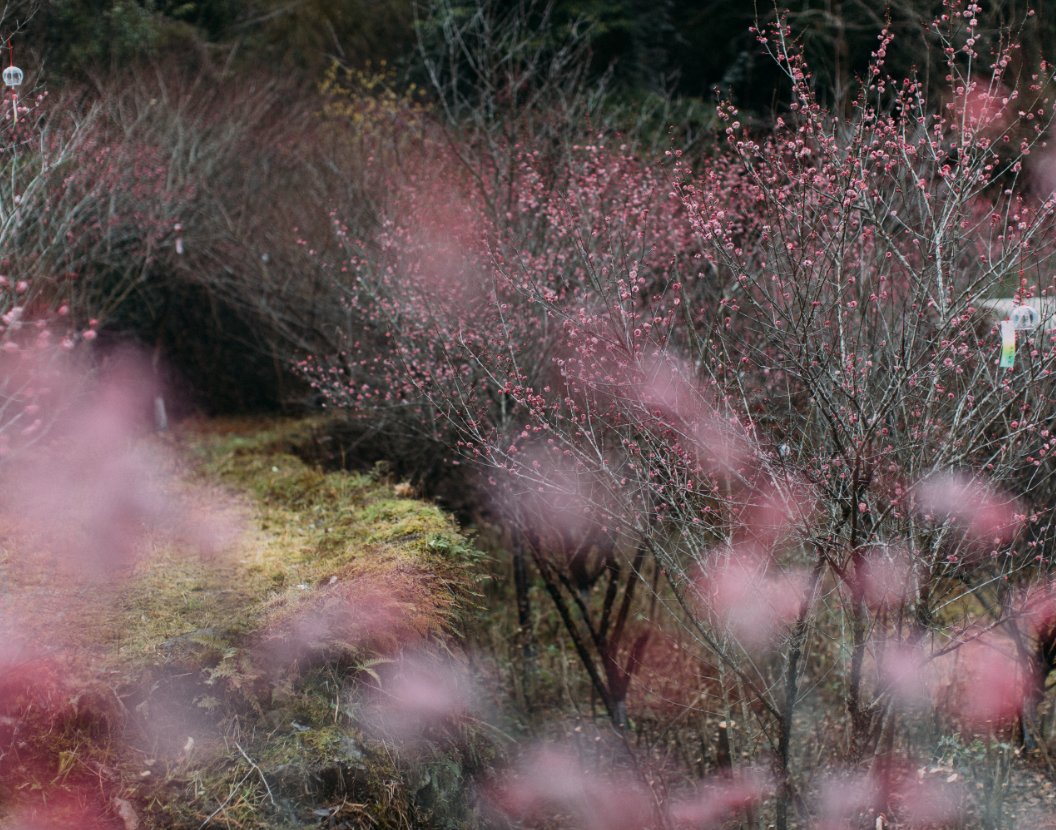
(13, 76)
(1024, 317)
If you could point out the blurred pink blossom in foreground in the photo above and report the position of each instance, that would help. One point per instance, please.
(842, 798)
(751, 597)
(881, 577)
(559, 499)
(771, 513)
(40, 697)
(982, 513)
(903, 669)
(717, 801)
(348, 616)
(985, 681)
(893, 786)
(554, 781)
(928, 797)
(88, 495)
(78, 810)
(421, 696)
(982, 107)
(673, 400)
(1038, 610)
(1042, 170)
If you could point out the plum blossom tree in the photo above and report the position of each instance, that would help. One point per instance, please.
(757, 398)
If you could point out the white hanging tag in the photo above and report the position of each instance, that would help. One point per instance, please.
(1008, 344)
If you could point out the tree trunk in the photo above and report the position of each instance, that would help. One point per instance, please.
(784, 741)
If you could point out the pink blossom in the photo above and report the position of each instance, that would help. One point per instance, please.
(715, 802)
(980, 511)
(984, 682)
(91, 494)
(357, 614)
(551, 780)
(881, 577)
(421, 696)
(750, 596)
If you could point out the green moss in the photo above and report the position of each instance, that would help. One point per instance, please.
(404, 521)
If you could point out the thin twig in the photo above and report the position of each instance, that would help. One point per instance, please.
(260, 772)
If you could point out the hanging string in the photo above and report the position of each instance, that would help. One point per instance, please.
(14, 90)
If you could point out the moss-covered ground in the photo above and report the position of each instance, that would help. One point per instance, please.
(220, 690)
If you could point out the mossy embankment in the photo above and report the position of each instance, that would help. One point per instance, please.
(227, 690)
